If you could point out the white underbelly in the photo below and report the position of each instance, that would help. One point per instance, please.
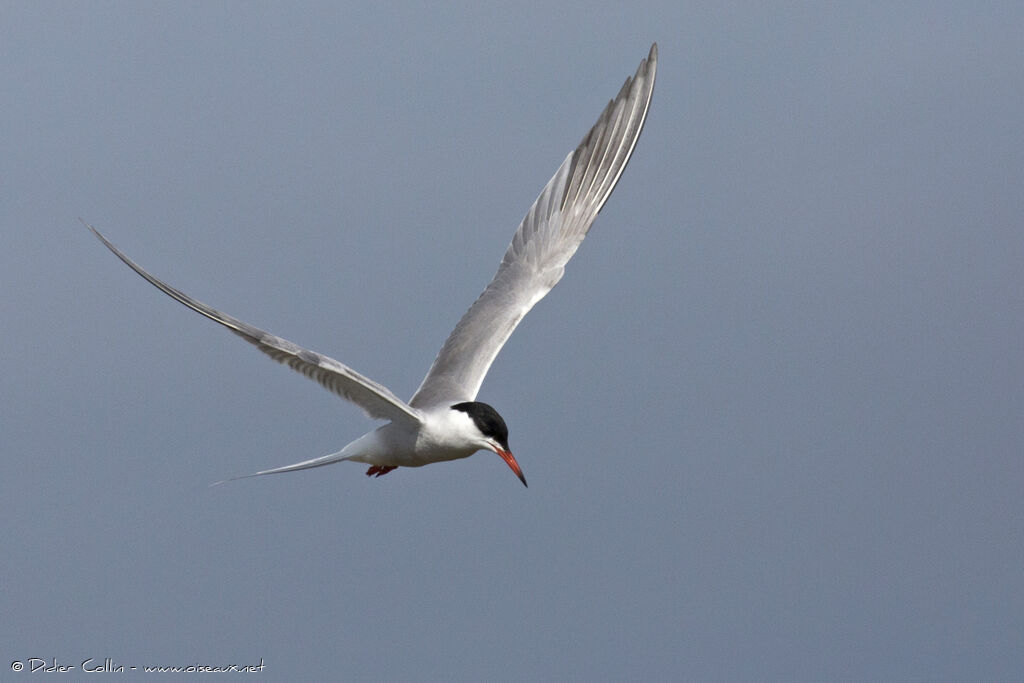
(394, 446)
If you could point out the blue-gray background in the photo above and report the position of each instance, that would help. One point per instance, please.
(771, 418)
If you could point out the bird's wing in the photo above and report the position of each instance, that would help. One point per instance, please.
(375, 400)
(545, 241)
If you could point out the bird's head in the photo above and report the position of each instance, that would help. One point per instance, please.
(493, 432)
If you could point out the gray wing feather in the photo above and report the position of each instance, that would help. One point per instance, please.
(375, 400)
(547, 238)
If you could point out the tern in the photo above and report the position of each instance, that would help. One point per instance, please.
(443, 420)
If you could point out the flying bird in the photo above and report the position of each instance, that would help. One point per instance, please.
(443, 420)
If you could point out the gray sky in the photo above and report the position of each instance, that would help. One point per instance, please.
(772, 418)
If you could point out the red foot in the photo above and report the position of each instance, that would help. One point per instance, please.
(380, 470)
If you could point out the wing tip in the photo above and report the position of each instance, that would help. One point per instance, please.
(99, 235)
